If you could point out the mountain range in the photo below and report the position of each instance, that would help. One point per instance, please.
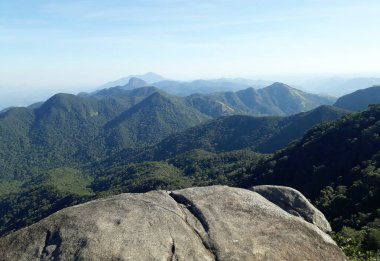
(275, 99)
(69, 129)
(260, 134)
(72, 129)
(185, 88)
(334, 86)
(328, 181)
(74, 148)
(339, 86)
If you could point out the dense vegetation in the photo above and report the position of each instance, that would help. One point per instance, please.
(359, 100)
(178, 163)
(61, 187)
(260, 134)
(336, 165)
(69, 130)
(50, 181)
(72, 149)
(49, 192)
(276, 99)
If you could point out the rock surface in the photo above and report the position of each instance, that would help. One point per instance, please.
(208, 223)
(293, 202)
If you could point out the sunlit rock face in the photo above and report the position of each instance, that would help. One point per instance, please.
(205, 223)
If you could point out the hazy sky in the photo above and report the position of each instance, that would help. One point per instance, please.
(73, 43)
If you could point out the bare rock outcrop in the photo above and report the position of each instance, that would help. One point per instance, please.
(206, 223)
(293, 202)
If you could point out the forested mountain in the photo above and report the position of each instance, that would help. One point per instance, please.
(209, 98)
(150, 120)
(261, 134)
(227, 97)
(336, 165)
(359, 100)
(277, 99)
(127, 98)
(55, 173)
(72, 130)
(69, 130)
(71, 149)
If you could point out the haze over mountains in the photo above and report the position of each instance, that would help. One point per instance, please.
(78, 128)
(184, 88)
(149, 77)
(136, 138)
(70, 129)
(189, 130)
(334, 87)
(359, 99)
(338, 86)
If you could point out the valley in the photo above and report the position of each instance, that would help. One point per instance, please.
(76, 148)
(189, 130)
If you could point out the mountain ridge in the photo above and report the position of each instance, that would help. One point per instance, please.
(149, 77)
(158, 113)
(277, 99)
(263, 134)
(70, 127)
(360, 99)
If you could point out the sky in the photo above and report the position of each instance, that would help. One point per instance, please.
(47, 46)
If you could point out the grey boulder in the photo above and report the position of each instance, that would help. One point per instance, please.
(206, 223)
(293, 202)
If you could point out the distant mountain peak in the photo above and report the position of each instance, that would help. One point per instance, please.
(158, 98)
(152, 74)
(279, 85)
(251, 89)
(148, 77)
(135, 82)
(59, 99)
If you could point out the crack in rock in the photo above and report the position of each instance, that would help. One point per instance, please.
(196, 215)
(174, 256)
(53, 242)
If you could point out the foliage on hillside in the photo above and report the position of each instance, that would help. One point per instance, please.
(69, 130)
(193, 168)
(67, 151)
(48, 193)
(149, 121)
(72, 130)
(55, 189)
(277, 99)
(337, 166)
(360, 99)
(261, 134)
